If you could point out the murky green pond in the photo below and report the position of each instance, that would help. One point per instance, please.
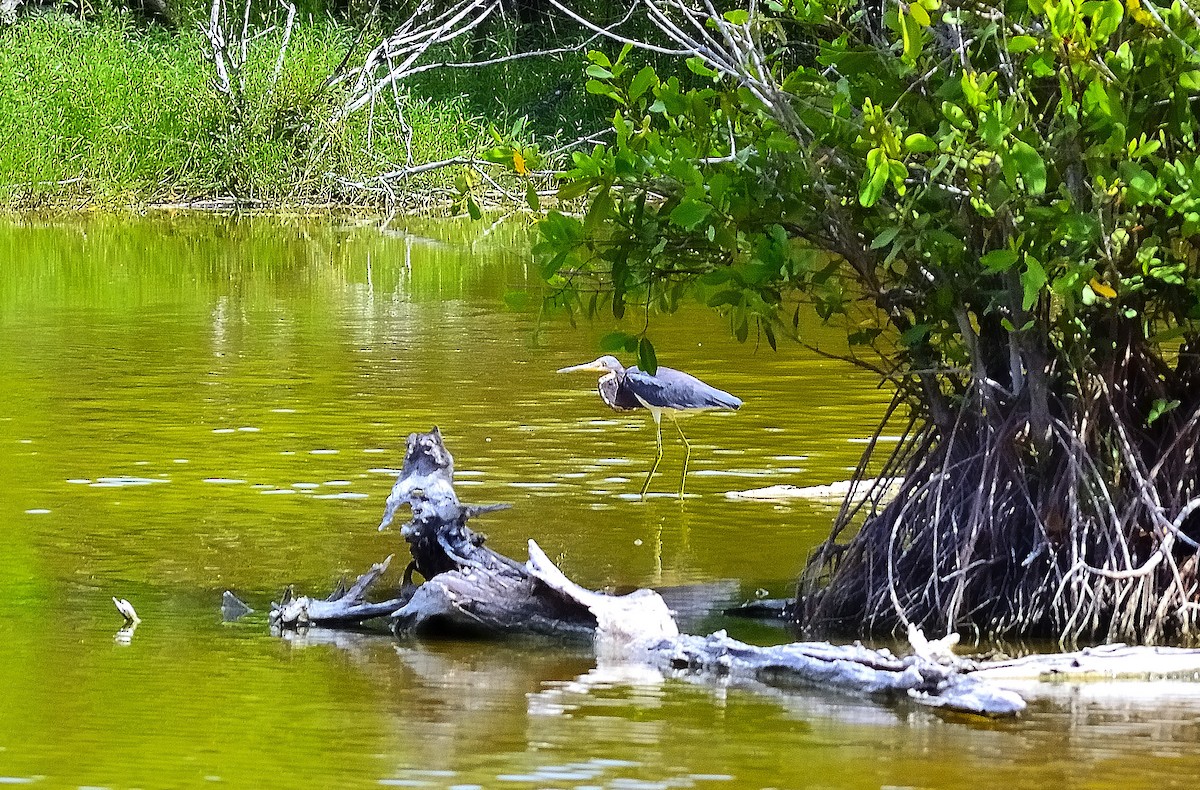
(194, 404)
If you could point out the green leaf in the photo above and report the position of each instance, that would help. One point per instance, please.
(1019, 44)
(1033, 279)
(690, 213)
(1142, 185)
(531, 197)
(956, 115)
(914, 335)
(1106, 20)
(603, 89)
(574, 189)
(473, 209)
(647, 359)
(998, 260)
(991, 128)
(919, 144)
(600, 210)
(1122, 59)
(910, 34)
(1159, 408)
(770, 333)
(886, 236)
(551, 267)
(737, 16)
(872, 185)
(1030, 165)
(643, 81)
(697, 65)
(599, 72)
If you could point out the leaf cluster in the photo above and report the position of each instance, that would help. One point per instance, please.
(990, 180)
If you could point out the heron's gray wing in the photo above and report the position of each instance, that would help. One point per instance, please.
(674, 389)
(616, 393)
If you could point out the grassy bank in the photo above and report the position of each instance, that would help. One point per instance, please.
(104, 114)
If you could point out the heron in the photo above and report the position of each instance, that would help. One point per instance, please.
(668, 391)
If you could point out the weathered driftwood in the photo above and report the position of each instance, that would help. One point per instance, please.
(1100, 663)
(468, 588)
(343, 607)
(837, 492)
(472, 589)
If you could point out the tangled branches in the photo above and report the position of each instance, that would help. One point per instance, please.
(230, 37)
(1089, 533)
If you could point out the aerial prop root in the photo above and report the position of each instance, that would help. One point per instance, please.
(1089, 533)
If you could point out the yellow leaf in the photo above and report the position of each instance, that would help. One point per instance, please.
(1139, 14)
(1103, 289)
(519, 164)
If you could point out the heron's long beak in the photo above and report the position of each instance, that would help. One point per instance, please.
(586, 366)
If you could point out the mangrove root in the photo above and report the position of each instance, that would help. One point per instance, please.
(1088, 531)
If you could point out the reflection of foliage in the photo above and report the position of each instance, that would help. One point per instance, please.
(1015, 193)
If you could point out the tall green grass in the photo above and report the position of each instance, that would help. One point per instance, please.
(101, 113)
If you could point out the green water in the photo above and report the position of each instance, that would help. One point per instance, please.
(194, 404)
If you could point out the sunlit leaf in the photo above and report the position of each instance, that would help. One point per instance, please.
(919, 144)
(1030, 165)
(998, 260)
(1019, 44)
(690, 213)
(1102, 289)
(1159, 408)
(697, 66)
(1033, 279)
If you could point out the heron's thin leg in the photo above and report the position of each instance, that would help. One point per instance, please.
(659, 450)
(687, 455)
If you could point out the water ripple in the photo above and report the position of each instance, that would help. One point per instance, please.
(120, 482)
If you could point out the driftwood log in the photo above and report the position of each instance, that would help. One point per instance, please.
(469, 589)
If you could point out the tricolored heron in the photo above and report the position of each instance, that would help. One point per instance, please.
(668, 391)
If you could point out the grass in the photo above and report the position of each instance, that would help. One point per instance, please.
(99, 113)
